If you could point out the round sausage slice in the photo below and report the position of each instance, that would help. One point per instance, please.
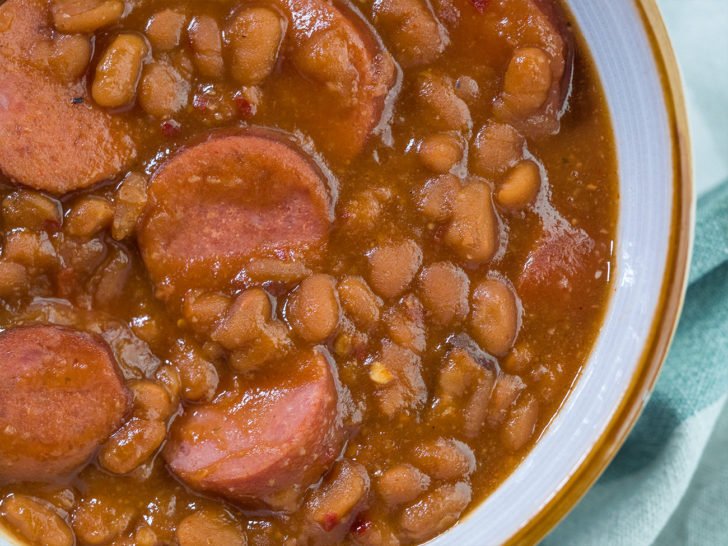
(52, 137)
(255, 440)
(528, 42)
(61, 396)
(217, 205)
(347, 71)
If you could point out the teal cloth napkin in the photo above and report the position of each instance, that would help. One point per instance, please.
(668, 484)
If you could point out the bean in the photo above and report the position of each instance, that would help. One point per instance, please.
(415, 35)
(162, 91)
(404, 388)
(527, 81)
(435, 512)
(313, 309)
(339, 496)
(88, 216)
(507, 390)
(70, 56)
(496, 316)
(36, 521)
(467, 89)
(325, 57)
(406, 324)
(118, 71)
(476, 410)
(359, 302)
(132, 445)
(198, 376)
(30, 209)
(110, 281)
(445, 459)
(129, 202)
(168, 376)
(80, 258)
(497, 147)
(85, 16)
(209, 528)
(203, 310)
(393, 266)
(444, 109)
(99, 520)
(463, 391)
(31, 249)
(272, 342)
(520, 359)
(14, 279)
(64, 498)
(437, 196)
(145, 536)
(255, 35)
(151, 401)
(520, 424)
(474, 231)
(445, 290)
(401, 484)
(520, 187)
(362, 212)
(245, 319)
(206, 43)
(250, 332)
(164, 29)
(440, 152)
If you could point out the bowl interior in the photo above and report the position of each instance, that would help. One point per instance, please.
(621, 48)
(625, 61)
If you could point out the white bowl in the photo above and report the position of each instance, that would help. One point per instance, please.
(628, 43)
(637, 68)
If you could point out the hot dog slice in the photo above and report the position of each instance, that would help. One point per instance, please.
(529, 47)
(256, 440)
(52, 136)
(214, 207)
(346, 69)
(61, 396)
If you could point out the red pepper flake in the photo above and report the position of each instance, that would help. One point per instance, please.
(245, 107)
(440, 233)
(480, 5)
(361, 524)
(201, 102)
(360, 352)
(329, 521)
(51, 226)
(170, 128)
(276, 289)
(65, 281)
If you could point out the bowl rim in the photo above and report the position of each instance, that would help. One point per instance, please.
(667, 312)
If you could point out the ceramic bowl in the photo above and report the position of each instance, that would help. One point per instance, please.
(636, 65)
(628, 42)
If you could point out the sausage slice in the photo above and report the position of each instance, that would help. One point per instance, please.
(258, 439)
(347, 70)
(528, 42)
(52, 137)
(61, 396)
(217, 205)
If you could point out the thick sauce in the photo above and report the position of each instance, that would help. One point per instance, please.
(293, 271)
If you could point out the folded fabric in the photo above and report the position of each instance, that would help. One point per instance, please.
(668, 484)
(634, 500)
